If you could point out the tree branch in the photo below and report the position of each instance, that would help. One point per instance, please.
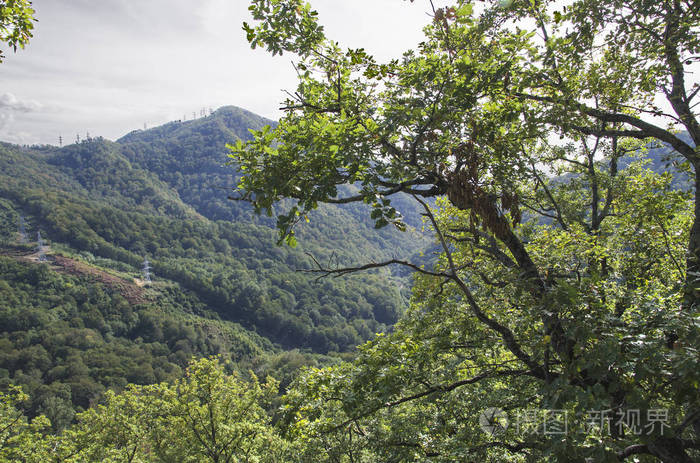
(646, 129)
(337, 272)
(505, 332)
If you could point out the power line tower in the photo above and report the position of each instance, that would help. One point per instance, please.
(60, 140)
(22, 230)
(40, 247)
(146, 270)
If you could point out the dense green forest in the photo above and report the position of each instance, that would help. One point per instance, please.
(221, 284)
(553, 317)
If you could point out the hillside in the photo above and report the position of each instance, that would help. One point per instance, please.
(83, 322)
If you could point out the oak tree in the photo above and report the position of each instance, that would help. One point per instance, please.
(568, 275)
(16, 23)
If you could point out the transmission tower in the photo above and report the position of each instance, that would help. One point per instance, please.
(60, 140)
(146, 270)
(22, 231)
(40, 247)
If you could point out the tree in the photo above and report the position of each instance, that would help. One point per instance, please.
(205, 416)
(20, 439)
(219, 418)
(567, 278)
(16, 23)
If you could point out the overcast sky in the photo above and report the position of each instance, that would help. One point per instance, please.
(108, 66)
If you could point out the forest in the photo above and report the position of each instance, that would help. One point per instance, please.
(220, 286)
(486, 249)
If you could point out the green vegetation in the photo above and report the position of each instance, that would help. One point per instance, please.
(80, 325)
(552, 297)
(66, 339)
(206, 416)
(16, 23)
(97, 199)
(565, 294)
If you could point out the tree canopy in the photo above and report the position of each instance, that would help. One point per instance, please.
(208, 415)
(566, 288)
(16, 23)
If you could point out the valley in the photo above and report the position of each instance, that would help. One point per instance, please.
(221, 283)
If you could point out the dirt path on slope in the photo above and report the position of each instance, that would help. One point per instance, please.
(131, 291)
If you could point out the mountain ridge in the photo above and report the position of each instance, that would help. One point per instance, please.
(169, 178)
(221, 284)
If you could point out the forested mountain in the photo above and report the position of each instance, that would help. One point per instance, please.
(83, 321)
(554, 318)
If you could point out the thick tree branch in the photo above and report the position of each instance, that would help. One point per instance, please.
(677, 95)
(637, 449)
(646, 129)
(430, 390)
(447, 388)
(505, 332)
(337, 272)
(491, 250)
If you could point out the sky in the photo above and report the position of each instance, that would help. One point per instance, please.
(108, 67)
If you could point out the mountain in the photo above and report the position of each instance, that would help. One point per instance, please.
(660, 157)
(85, 321)
(190, 158)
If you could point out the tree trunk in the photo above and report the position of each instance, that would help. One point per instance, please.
(669, 450)
(692, 279)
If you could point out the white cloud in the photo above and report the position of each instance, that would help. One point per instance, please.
(9, 102)
(108, 66)
(6, 120)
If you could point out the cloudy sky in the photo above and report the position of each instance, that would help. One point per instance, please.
(110, 66)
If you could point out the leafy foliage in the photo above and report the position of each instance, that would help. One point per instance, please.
(16, 23)
(207, 415)
(571, 294)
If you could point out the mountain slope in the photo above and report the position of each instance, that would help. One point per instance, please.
(190, 157)
(80, 323)
(162, 193)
